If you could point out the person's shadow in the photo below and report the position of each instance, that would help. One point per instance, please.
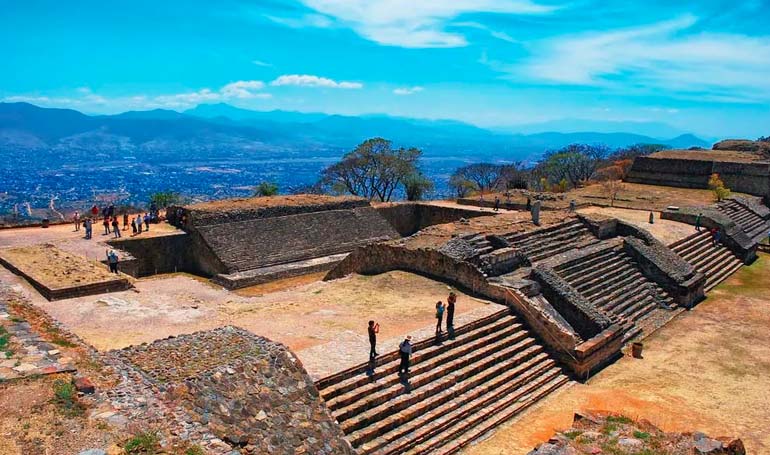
(405, 382)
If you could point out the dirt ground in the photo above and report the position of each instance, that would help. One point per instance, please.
(714, 155)
(708, 370)
(64, 237)
(666, 231)
(331, 316)
(55, 268)
(633, 195)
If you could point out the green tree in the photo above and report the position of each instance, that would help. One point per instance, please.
(373, 170)
(266, 189)
(165, 199)
(575, 163)
(416, 186)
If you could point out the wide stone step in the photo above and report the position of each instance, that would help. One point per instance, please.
(433, 423)
(630, 297)
(642, 312)
(513, 238)
(614, 282)
(710, 264)
(703, 249)
(717, 278)
(600, 278)
(683, 242)
(481, 423)
(562, 237)
(585, 264)
(692, 249)
(375, 394)
(346, 380)
(580, 242)
(409, 405)
(619, 295)
(632, 307)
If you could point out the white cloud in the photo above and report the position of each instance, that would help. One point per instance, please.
(86, 98)
(664, 56)
(306, 80)
(415, 24)
(261, 63)
(243, 89)
(407, 90)
(308, 20)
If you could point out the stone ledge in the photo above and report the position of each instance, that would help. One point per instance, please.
(277, 272)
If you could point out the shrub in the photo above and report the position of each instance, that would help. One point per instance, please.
(194, 450)
(145, 443)
(266, 189)
(641, 435)
(66, 398)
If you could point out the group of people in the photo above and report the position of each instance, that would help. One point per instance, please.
(405, 348)
(139, 223)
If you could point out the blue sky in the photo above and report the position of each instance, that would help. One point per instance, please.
(702, 66)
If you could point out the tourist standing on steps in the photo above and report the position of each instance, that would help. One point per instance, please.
(439, 317)
(405, 350)
(373, 329)
(697, 222)
(76, 219)
(112, 260)
(715, 236)
(450, 315)
(116, 227)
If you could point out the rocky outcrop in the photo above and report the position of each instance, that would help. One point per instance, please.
(250, 392)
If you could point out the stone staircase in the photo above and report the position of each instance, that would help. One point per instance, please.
(456, 391)
(611, 280)
(717, 263)
(542, 243)
(751, 223)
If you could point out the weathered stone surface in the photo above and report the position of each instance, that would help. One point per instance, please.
(251, 393)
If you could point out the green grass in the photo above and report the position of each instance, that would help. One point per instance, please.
(619, 419)
(609, 427)
(194, 450)
(145, 443)
(573, 434)
(641, 435)
(66, 398)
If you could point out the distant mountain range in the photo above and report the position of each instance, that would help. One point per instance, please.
(222, 128)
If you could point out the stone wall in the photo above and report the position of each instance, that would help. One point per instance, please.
(745, 177)
(582, 316)
(245, 245)
(153, 255)
(661, 265)
(250, 392)
(410, 217)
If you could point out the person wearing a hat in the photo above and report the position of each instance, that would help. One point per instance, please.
(405, 350)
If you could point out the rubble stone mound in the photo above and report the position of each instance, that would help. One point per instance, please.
(252, 393)
(595, 432)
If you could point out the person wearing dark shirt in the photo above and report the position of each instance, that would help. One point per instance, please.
(405, 350)
(450, 315)
(116, 227)
(374, 329)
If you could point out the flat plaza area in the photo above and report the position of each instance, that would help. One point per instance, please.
(707, 370)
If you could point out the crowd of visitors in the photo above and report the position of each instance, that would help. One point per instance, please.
(111, 221)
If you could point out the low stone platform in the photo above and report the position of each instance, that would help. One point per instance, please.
(58, 274)
(250, 392)
(277, 272)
